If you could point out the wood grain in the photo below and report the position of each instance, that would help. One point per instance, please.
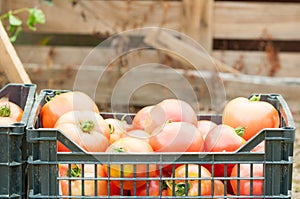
(231, 20)
(9, 60)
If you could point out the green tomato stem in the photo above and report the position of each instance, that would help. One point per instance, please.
(5, 111)
(240, 131)
(87, 126)
(14, 12)
(255, 98)
(181, 188)
(75, 171)
(119, 150)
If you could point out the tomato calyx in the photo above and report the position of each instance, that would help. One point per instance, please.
(255, 98)
(87, 126)
(119, 150)
(181, 188)
(75, 172)
(49, 98)
(5, 111)
(240, 131)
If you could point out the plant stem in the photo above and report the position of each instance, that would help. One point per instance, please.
(14, 12)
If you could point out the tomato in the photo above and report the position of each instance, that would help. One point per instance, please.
(138, 133)
(129, 145)
(170, 110)
(222, 138)
(205, 126)
(9, 112)
(86, 128)
(245, 171)
(153, 189)
(251, 114)
(117, 128)
(116, 191)
(259, 148)
(139, 119)
(89, 182)
(191, 186)
(4, 121)
(177, 137)
(63, 103)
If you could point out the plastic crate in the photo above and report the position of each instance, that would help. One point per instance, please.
(277, 160)
(13, 143)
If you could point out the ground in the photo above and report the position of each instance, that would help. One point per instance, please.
(296, 172)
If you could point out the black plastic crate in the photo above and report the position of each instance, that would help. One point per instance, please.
(13, 147)
(277, 160)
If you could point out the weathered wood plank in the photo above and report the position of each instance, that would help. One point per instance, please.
(240, 20)
(198, 21)
(9, 60)
(232, 20)
(258, 63)
(248, 62)
(104, 17)
(152, 84)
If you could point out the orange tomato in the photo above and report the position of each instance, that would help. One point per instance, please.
(88, 184)
(9, 112)
(86, 128)
(63, 103)
(251, 114)
(190, 187)
(129, 145)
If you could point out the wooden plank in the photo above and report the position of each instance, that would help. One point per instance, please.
(103, 17)
(232, 20)
(10, 61)
(244, 20)
(171, 83)
(258, 63)
(248, 62)
(198, 21)
(195, 55)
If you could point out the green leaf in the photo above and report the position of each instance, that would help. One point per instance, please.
(16, 34)
(35, 16)
(14, 21)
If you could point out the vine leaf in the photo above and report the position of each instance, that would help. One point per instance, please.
(35, 16)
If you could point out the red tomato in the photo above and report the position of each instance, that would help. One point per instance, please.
(205, 126)
(117, 128)
(89, 182)
(177, 137)
(192, 185)
(63, 103)
(9, 112)
(139, 119)
(86, 128)
(251, 114)
(245, 171)
(153, 190)
(170, 110)
(222, 138)
(129, 145)
(153, 187)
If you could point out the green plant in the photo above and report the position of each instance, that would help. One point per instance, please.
(35, 16)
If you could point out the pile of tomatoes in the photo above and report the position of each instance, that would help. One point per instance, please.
(169, 126)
